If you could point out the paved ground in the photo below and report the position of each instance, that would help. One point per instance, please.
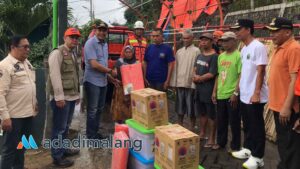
(101, 158)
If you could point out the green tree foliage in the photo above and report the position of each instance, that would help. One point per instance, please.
(23, 16)
(39, 51)
(87, 28)
(150, 10)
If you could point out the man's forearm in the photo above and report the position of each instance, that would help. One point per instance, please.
(237, 87)
(170, 69)
(206, 77)
(261, 70)
(290, 97)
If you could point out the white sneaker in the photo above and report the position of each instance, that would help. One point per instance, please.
(253, 163)
(242, 154)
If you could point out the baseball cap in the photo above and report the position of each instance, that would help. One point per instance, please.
(246, 23)
(206, 35)
(101, 25)
(279, 23)
(228, 35)
(72, 31)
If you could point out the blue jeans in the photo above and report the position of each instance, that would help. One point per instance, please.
(11, 157)
(95, 105)
(62, 118)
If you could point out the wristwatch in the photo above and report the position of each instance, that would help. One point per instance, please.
(236, 93)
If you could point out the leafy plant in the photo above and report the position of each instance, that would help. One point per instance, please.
(39, 51)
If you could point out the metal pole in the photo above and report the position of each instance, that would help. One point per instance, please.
(54, 23)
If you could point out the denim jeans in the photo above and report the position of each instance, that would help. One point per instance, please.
(11, 157)
(95, 105)
(62, 118)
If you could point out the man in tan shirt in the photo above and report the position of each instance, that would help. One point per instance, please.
(182, 78)
(63, 85)
(17, 101)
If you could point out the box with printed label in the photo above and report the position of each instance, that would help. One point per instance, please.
(176, 147)
(149, 107)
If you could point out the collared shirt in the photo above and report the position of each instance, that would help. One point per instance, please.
(252, 56)
(17, 89)
(55, 60)
(183, 71)
(158, 58)
(285, 61)
(94, 49)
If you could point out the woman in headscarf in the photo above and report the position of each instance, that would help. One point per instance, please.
(120, 107)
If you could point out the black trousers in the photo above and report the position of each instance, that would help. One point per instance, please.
(254, 128)
(227, 114)
(11, 157)
(288, 143)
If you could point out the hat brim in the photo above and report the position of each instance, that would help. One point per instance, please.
(271, 28)
(205, 37)
(228, 38)
(235, 27)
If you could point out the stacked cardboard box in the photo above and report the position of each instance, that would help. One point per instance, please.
(149, 107)
(176, 147)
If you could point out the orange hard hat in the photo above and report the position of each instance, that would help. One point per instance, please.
(72, 31)
(218, 33)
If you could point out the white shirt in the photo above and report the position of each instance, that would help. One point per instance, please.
(183, 70)
(253, 55)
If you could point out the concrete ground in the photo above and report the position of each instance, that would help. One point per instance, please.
(101, 158)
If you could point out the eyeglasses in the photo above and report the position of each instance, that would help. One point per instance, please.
(24, 46)
(74, 37)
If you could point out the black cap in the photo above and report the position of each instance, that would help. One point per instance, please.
(101, 25)
(280, 23)
(246, 23)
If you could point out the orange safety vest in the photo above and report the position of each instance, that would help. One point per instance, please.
(297, 85)
(139, 47)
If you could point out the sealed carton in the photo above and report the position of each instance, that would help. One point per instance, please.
(176, 147)
(149, 107)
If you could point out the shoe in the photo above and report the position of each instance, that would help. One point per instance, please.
(63, 163)
(242, 154)
(71, 152)
(253, 163)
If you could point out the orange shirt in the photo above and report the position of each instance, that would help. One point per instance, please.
(285, 61)
(297, 85)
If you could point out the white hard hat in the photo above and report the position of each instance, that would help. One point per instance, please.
(138, 25)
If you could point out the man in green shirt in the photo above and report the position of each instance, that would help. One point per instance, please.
(226, 92)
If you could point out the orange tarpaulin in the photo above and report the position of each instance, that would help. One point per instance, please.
(164, 13)
(132, 77)
(184, 12)
(213, 6)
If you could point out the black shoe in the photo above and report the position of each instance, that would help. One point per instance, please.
(71, 152)
(63, 163)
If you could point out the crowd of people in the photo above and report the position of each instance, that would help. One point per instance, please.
(215, 81)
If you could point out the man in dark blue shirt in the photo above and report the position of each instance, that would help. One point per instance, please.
(158, 62)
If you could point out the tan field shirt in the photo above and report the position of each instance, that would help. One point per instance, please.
(17, 89)
(55, 60)
(183, 70)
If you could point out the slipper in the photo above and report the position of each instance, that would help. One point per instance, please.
(208, 145)
(203, 138)
(216, 147)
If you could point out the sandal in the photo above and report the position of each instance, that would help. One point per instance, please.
(208, 145)
(216, 147)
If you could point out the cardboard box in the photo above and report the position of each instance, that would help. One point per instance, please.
(176, 147)
(149, 107)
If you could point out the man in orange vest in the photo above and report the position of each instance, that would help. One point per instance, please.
(137, 41)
